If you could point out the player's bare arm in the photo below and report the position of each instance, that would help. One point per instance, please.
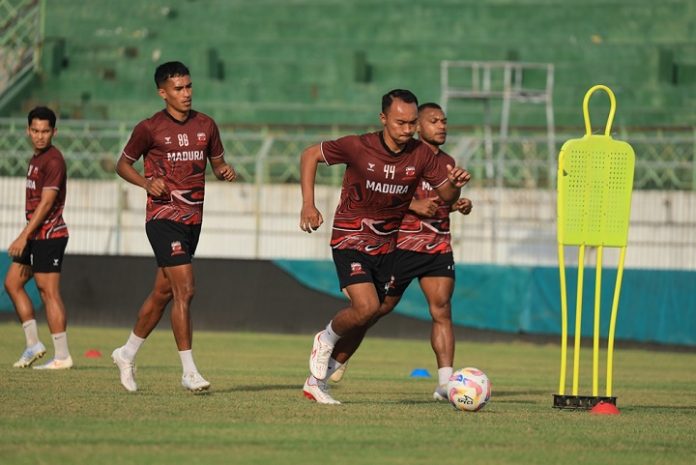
(457, 177)
(424, 207)
(222, 170)
(310, 216)
(154, 186)
(48, 198)
(463, 206)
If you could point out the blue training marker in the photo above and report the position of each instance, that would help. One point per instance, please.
(420, 373)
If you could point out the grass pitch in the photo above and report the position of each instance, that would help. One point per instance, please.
(255, 413)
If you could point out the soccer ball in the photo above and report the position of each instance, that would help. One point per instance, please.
(468, 389)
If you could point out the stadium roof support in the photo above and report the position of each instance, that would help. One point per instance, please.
(21, 34)
(509, 81)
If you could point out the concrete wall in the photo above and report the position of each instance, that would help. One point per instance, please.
(257, 295)
(231, 295)
(507, 226)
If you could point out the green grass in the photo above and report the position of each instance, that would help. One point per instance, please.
(255, 413)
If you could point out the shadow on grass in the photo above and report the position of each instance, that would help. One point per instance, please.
(529, 392)
(389, 402)
(93, 367)
(498, 400)
(108, 365)
(638, 408)
(261, 387)
(405, 402)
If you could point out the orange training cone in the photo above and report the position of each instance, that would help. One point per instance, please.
(605, 408)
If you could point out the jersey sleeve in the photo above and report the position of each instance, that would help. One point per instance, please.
(341, 150)
(435, 169)
(215, 148)
(139, 143)
(54, 173)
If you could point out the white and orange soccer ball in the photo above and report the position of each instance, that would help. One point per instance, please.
(469, 389)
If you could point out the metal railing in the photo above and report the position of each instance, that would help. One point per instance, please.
(257, 217)
(20, 43)
(664, 162)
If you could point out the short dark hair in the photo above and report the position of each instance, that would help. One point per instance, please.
(401, 94)
(169, 69)
(44, 114)
(431, 105)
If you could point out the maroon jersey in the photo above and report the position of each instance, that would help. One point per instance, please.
(378, 185)
(178, 152)
(47, 171)
(427, 235)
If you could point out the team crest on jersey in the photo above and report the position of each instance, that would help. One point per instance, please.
(177, 249)
(410, 171)
(201, 138)
(370, 167)
(356, 269)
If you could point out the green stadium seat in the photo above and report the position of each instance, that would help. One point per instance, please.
(282, 62)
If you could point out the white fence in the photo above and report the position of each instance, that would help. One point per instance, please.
(513, 221)
(507, 226)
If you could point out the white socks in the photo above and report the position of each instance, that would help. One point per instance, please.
(31, 332)
(329, 336)
(187, 361)
(331, 367)
(60, 345)
(130, 350)
(443, 375)
(60, 340)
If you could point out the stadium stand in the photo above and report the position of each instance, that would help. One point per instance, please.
(318, 62)
(319, 66)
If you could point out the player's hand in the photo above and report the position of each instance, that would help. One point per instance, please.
(458, 176)
(225, 173)
(463, 206)
(17, 247)
(156, 187)
(424, 207)
(310, 218)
